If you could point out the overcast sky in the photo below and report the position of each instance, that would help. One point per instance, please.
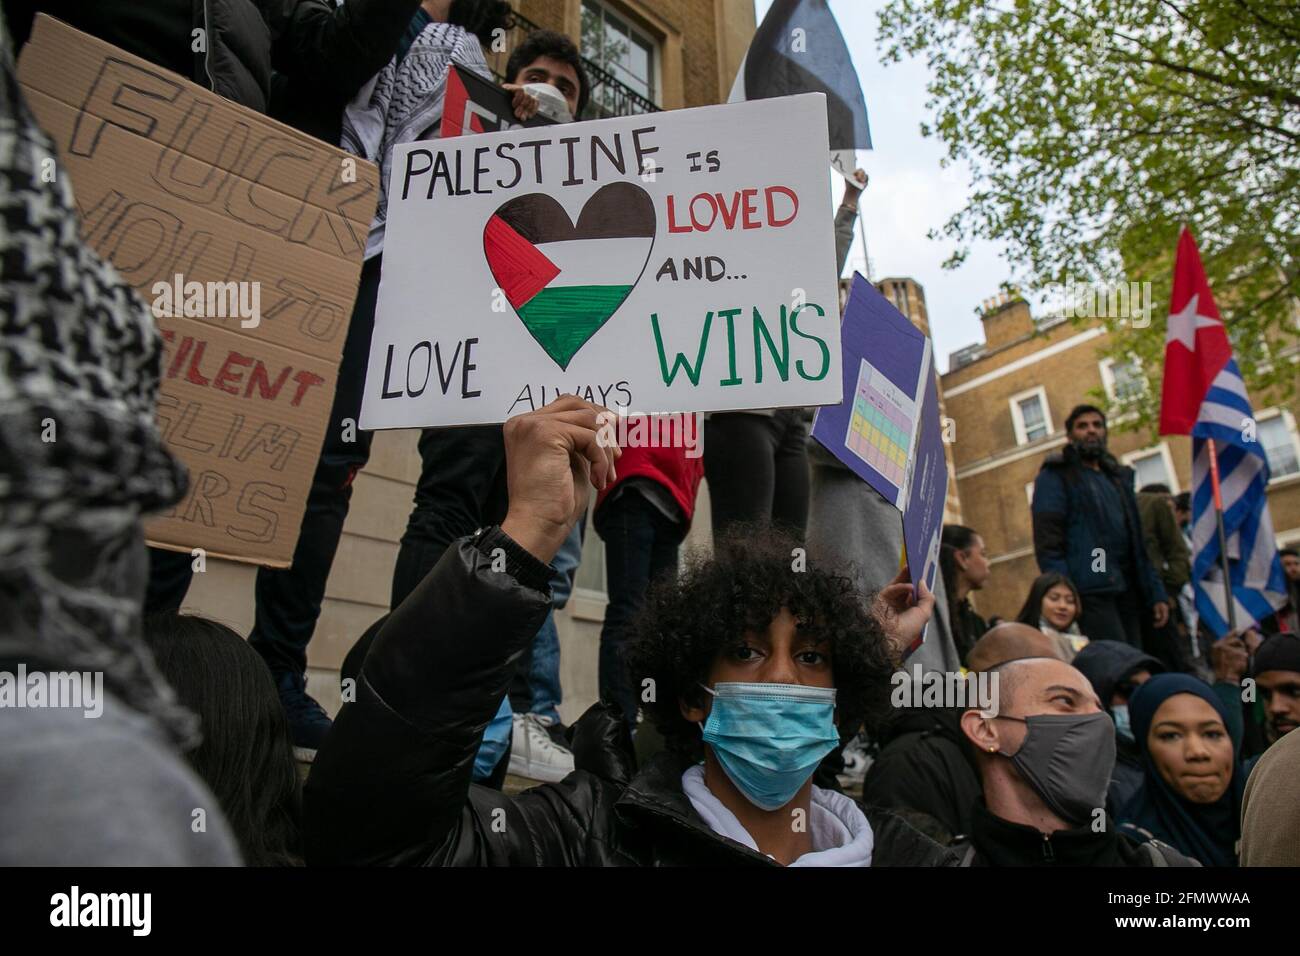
(909, 194)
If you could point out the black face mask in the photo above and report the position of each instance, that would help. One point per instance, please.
(1067, 759)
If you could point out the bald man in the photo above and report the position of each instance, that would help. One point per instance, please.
(1045, 759)
(925, 765)
(1010, 641)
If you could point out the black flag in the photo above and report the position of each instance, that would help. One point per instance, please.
(798, 48)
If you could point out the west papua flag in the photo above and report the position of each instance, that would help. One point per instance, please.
(1203, 395)
(798, 48)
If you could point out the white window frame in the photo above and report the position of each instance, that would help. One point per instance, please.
(656, 45)
(1288, 421)
(1018, 421)
(1166, 456)
(1107, 366)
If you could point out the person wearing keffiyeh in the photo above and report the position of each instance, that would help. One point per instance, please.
(81, 462)
(402, 103)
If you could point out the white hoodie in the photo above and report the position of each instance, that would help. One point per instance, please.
(841, 834)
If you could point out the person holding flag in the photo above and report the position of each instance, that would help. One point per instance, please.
(1203, 395)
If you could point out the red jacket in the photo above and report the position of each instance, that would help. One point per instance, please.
(667, 464)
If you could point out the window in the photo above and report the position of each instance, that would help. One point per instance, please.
(1029, 416)
(1152, 466)
(1123, 381)
(1278, 437)
(623, 51)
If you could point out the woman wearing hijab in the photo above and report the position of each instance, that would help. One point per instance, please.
(1191, 795)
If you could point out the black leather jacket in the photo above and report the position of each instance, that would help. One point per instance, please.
(391, 784)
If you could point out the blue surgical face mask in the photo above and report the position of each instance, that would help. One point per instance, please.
(769, 738)
(1119, 713)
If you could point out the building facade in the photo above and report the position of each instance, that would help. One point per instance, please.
(641, 57)
(1008, 399)
(908, 298)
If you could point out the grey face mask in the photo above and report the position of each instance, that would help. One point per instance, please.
(1067, 759)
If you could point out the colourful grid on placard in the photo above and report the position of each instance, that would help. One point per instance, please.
(879, 432)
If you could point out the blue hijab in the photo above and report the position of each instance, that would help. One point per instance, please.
(1206, 831)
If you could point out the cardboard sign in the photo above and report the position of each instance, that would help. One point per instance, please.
(475, 105)
(675, 262)
(887, 430)
(250, 234)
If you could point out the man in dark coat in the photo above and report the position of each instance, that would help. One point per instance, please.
(1086, 526)
(391, 783)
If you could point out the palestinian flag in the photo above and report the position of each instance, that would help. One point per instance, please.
(566, 280)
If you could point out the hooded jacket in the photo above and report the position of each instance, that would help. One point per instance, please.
(1066, 522)
(391, 784)
(1106, 664)
(925, 765)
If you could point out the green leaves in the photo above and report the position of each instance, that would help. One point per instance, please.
(1096, 128)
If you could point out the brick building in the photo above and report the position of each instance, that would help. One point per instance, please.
(1009, 398)
(909, 298)
(641, 57)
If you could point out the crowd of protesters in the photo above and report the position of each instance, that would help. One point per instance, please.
(742, 693)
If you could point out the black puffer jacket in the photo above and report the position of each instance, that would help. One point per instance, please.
(391, 784)
(335, 49)
(925, 765)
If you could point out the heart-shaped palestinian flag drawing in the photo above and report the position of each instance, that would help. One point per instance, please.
(564, 280)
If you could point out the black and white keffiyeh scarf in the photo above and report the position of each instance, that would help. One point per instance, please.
(402, 103)
(81, 459)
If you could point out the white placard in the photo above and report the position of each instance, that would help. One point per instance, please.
(670, 262)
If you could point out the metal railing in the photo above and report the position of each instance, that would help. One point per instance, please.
(609, 96)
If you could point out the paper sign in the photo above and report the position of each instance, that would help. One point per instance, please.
(246, 237)
(475, 105)
(887, 430)
(675, 262)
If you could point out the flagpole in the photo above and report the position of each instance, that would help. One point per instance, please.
(1229, 598)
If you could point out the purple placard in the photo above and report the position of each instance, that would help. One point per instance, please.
(887, 430)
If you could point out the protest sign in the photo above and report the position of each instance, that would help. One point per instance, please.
(887, 429)
(246, 238)
(672, 262)
(475, 105)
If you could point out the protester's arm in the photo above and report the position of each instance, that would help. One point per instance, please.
(391, 784)
(845, 218)
(338, 48)
(1230, 660)
(1049, 510)
(1177, 557)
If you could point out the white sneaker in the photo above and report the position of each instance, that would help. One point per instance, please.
(533, 754)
